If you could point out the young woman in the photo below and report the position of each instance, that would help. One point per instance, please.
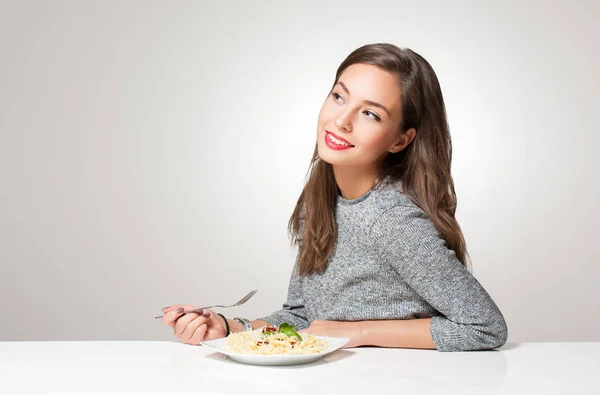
(382, 259)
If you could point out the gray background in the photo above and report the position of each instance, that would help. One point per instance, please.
(152, 151)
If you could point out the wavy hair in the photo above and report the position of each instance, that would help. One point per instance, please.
(423, 166)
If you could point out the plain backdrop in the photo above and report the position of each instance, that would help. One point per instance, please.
(151, 153)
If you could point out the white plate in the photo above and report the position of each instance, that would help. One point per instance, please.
(335, 343)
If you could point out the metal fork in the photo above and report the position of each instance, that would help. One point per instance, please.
(238, 303)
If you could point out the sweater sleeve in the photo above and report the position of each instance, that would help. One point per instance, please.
(292, 311)
(469, 320)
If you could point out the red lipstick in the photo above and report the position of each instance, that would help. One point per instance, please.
(336, 142)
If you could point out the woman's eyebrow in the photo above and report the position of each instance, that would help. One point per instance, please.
(370, 102)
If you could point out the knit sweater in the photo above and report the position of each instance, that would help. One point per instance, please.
(390, 263)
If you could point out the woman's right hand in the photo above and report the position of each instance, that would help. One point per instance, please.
(196, 327)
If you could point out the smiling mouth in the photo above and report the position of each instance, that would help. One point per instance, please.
(336, 140)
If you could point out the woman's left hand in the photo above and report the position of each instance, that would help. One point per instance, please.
(350, 330)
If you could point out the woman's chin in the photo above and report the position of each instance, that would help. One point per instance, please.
(332, 157)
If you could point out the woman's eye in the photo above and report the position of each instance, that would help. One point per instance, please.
(337, 97)
(372, 115)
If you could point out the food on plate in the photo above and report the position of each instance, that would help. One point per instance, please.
(270, 340)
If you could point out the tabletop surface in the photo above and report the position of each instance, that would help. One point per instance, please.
(170, 367)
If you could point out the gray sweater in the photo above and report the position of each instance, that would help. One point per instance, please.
(390, 263)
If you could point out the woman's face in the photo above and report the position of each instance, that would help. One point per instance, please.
(359, 121)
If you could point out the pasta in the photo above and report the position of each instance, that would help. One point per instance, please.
(273, 343)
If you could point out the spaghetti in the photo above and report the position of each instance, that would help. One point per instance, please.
(267, 342)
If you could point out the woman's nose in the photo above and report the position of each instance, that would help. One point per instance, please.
(344, 122)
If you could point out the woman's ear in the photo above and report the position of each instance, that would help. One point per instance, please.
(403, 140)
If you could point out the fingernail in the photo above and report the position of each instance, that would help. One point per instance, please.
(179, 310)
(199, 311)
(207, 314)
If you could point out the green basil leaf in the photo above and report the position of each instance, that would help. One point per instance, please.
(289, 330)
(291, 333)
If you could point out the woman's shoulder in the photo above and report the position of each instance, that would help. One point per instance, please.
(396, 210)
(391, 195)
(384, 207)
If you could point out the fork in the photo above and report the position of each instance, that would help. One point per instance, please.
(238, 303)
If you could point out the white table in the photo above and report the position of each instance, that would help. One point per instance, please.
(174, 368)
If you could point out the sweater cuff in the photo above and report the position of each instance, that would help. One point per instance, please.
(445, 335)
(451, 336)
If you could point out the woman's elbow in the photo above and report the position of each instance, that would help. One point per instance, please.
(494, 335)
(485, 335)
(501, 333)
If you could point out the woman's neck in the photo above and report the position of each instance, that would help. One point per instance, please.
(353, 182)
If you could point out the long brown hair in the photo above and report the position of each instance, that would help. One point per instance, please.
(423, 166)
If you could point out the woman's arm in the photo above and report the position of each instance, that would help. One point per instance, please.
(390, 333)
(235, 326)
(397, 333)
(292, 311)
(470, 320)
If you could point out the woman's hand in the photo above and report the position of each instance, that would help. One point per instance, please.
(350, 330)
(194, 327)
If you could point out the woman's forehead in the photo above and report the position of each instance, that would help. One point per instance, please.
(368, 82)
